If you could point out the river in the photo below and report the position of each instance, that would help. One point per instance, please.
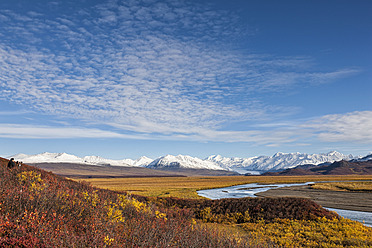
(245, 190)
(250, 190)
(364, 217)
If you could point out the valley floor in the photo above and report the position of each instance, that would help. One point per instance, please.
(357, 201)
(186, 187)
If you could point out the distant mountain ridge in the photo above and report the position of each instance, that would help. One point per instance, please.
(47, 157)
(257, 164)
(279, 161)
(362, 159)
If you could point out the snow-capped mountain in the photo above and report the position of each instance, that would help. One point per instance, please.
(96, 160)
(47, 157)
(278, 161)
(363, 159)
(182, 161)
(142, 161)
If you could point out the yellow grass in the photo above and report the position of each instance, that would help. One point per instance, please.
(345, 186)
(186, 187)
(312, 233)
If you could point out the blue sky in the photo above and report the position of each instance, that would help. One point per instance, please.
(122, 79)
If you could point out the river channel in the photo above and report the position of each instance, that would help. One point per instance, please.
(250, 190)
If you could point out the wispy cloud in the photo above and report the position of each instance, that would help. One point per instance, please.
(20, 131)
(351, 127)
(25, 131)
(160, 67)
(8, 113)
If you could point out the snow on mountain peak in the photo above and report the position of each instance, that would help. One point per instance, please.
(142, 161)
(365, 158)
(48, 157)
(279, 154)
(183, 161)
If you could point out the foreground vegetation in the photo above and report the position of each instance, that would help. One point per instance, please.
(286, 222)
(186, 187)
(321, 232)
(40, 209)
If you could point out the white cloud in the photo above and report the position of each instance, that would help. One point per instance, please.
(351, 127)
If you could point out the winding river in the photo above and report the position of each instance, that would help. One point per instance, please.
(250, 190)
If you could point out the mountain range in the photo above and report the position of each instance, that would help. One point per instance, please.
(253, 165)
(48, 157)
(279, 161)
(361, 166)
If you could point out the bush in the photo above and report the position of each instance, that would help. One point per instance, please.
(243, 210)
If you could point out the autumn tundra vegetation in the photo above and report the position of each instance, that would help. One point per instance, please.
(41, 209)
